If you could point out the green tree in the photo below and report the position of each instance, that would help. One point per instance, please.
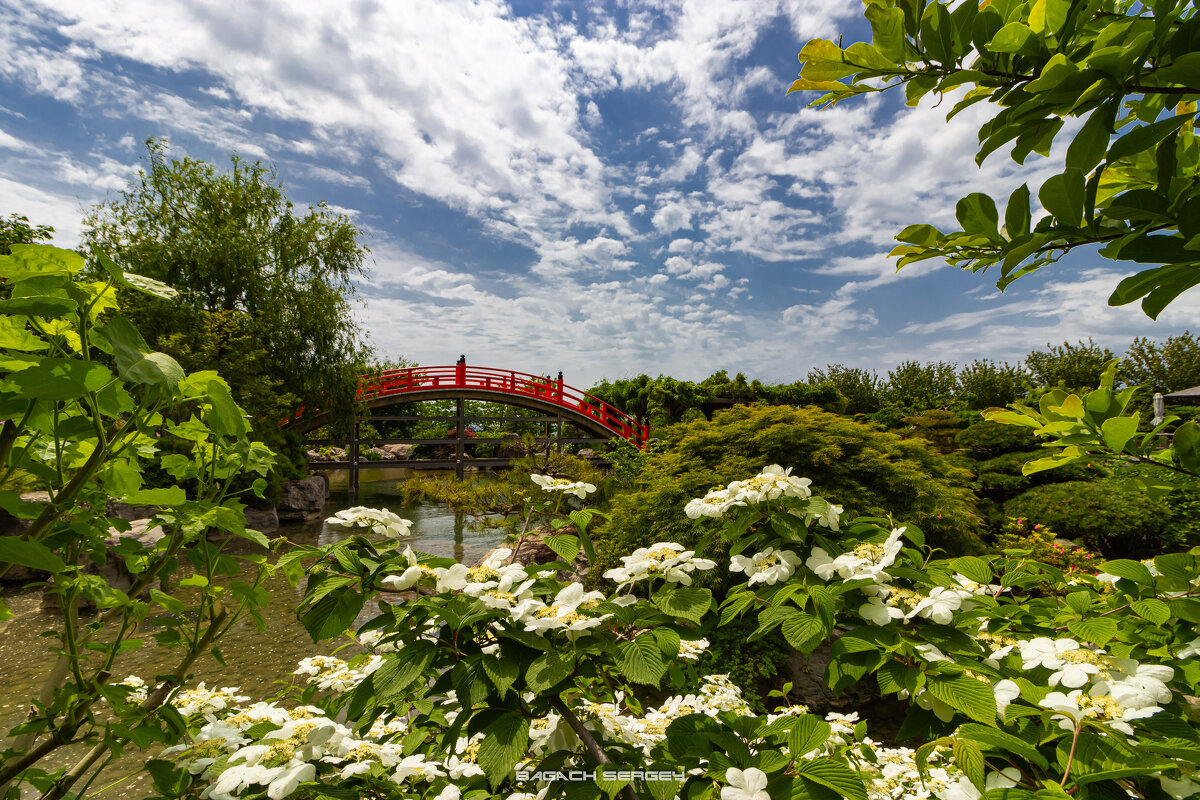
(15, 229)
(921, 386)
(1128, 69)
(1169, 367)
(1072, 365)
(265, 291)
(858, 386)
(985, 384)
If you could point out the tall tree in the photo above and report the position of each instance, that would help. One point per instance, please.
(1170, 367)
(265, 290)
(1129, 69)
(1073, 366)
(15, 229)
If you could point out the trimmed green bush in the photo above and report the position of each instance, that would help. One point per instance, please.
(1106, 515)
(869, 471)
(988, 438)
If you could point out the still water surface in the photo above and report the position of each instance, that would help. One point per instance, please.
(254, 660)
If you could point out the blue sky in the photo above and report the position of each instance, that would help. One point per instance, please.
(605, 189)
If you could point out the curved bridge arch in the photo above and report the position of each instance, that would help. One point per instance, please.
(521, 389)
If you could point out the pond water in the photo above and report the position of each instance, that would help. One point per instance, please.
(256, 661)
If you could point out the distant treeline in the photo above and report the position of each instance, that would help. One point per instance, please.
(913, 387)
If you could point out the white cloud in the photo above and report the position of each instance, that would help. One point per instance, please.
(672, 216)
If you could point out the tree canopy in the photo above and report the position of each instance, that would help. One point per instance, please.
(265, 290)
(1130, 69)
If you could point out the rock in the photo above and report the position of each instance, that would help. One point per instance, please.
(533, 550)
(587, 452)
(807, 676)
(128, 512)
(303, 499)
(400, 452)
(313, 455)
(376, 454)
(337, 454)
(262, 519)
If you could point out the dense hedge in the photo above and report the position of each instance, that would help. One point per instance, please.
(868, 470)
(1112, 517)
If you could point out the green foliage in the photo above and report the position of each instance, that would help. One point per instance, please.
(985, 384)
(1072, 366)
(936, 426)
(1039, 541)
(91, 411)
(751, 665)
(15, 229)
(917, 386)
(1108, 516)
(1171, 366)
(859, 387)
(265, 293)
(1126, 69)
(989, 439)
(874, 472)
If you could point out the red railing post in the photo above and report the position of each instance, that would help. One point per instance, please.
(559, 385)
(460, 371)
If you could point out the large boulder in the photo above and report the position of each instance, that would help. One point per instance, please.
(128, 512)
(303, 499)
(262, 519)
(399, 452)
(376, 454)
(532, 549)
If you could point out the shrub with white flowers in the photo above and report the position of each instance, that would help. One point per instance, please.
(502, 681)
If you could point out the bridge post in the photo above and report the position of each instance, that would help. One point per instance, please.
(560, 419)
(460, 449)
(352, 478)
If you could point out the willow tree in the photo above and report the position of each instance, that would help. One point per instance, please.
(1130, 70)
(266, 290)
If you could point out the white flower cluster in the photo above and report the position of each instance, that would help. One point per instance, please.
(203, 701)
(773, 482)
(376, 520)
(549, 483)
(335, 675)
(717, 693)
(771, 566)
(667, 560)
(140, 690)
(571, 611)
(864, 561)
(692, 649)
(1121, 690)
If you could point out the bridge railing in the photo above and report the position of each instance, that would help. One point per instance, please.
(461, 376)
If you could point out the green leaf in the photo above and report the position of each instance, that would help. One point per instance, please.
(130, 281)
(1126, 568)
(1088, 147)
(1144, 137)
(1098, 630)
(969, 758)
(803, 632)
(402, 670)
(548, 669)
(1016, 213)
(1186, 443)
(1062, 195)
(61, 379)
(224, 417)
(1154, 611)
(1002, 741)
(963, 693)
(1118, 431)
(977, 214)
(974, 568)
(835, 775)
(333, 614)
(565, 545)
(502, 672)
(641, 660)
(1011, 38)
(28, 553)
(808, 733)
(687, 603)
(135, 362)
(503, 745)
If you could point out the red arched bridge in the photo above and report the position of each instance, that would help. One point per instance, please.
(561, 404)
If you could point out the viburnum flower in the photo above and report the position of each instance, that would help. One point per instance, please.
(864, 561)
(878, 612)
(750, 784)
(773, 482)
(376, 520)
(940, 605)
(1138, 685)
(1006, 691)
(769, 567)
(561, 614)
(668, 560)
(411, 574)
(548, 483)
(713, 504)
